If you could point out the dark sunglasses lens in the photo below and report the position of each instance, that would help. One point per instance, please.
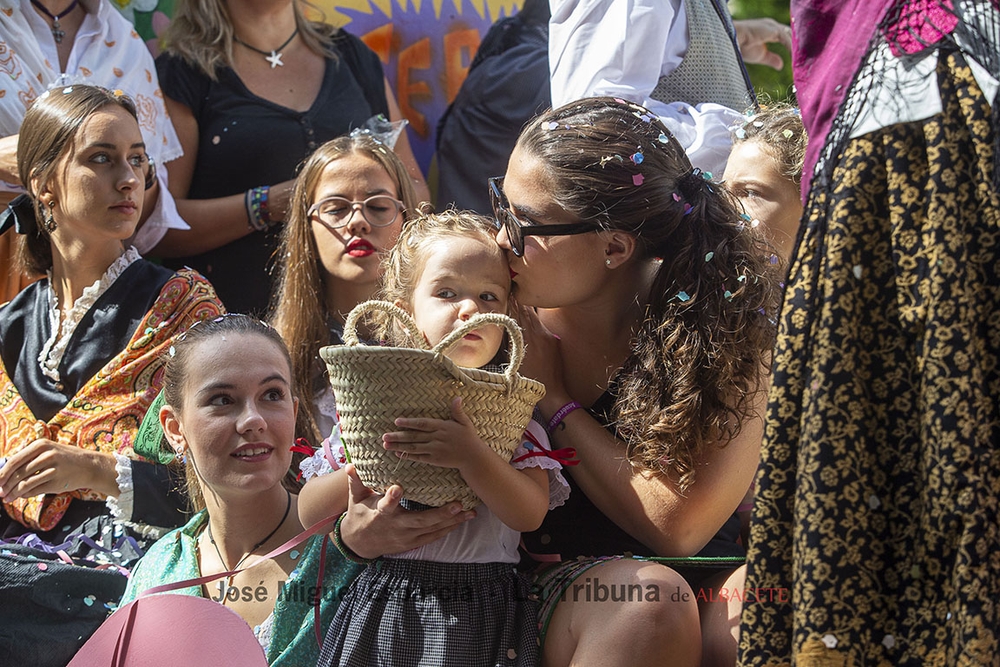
(497, 203)
(513, 232)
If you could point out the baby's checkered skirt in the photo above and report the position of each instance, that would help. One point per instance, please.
(411, 613)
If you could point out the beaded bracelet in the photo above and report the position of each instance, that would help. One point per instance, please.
(561, 414)
(258, 215)
(345, 551)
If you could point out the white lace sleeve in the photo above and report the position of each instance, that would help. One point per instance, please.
(121, 507)
(535, 451)
(315, 466)
(327, 458)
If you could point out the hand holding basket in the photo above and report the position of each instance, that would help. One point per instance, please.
(374, 385)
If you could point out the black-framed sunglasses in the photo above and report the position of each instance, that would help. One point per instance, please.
(336, 212)
(504, 218)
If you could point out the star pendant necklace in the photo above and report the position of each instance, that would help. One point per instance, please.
(57, 32)
(274, 57)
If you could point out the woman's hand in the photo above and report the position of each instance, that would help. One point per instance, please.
(543, 361)
(8, 160)
(45, 466)
(448, 443)
(755, 34)
(376, 525)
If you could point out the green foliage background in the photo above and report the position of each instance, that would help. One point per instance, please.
(770, 84)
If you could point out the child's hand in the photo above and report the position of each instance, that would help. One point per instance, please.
(449, 443)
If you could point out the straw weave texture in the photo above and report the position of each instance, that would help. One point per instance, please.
(374, 385)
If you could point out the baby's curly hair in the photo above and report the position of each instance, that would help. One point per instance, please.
(403, 265)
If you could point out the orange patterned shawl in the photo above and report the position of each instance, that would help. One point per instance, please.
(105, 414)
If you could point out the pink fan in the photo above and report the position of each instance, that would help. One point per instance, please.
(171, 629)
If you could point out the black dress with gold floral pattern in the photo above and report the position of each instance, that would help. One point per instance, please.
(879, 491)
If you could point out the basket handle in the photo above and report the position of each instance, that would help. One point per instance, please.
(477, 322)
(365, 307)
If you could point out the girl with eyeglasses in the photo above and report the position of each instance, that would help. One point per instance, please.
(347, 208)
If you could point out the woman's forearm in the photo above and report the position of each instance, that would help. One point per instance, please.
(648, 505)
(216, 222)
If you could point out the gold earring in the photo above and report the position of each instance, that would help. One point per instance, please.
(48, 222)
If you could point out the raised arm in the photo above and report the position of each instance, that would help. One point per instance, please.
(648, 505)
(376, 524)
(405, 152)
(323, 496)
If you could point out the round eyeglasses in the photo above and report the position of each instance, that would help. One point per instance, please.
(517, 229)
(378, 211)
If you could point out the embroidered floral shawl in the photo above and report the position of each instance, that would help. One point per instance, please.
(105, 414)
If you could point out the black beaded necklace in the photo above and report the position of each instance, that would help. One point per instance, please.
(57, 32)
(274, 57)
(281, 523)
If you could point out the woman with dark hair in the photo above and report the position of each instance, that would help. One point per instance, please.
(81, 349)
(648, 318)
(253, 88)
(229, 415)
(51, 44)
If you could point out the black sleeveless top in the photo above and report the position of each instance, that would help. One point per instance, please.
(579, 528)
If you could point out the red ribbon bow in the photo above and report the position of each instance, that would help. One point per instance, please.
(302, 446)
(565, 455)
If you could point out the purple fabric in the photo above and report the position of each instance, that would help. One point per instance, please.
(33, 541)
(829, 40)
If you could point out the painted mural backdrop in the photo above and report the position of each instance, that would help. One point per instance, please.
(425, 46)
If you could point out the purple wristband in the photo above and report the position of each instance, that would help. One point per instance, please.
(561, 413)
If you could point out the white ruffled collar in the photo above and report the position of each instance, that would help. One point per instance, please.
(55, 347)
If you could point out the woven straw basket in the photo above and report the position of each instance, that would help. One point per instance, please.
(374, 385)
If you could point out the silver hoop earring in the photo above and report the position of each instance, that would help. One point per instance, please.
(48, 222)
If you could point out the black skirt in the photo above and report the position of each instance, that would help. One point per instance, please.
(409, 613)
